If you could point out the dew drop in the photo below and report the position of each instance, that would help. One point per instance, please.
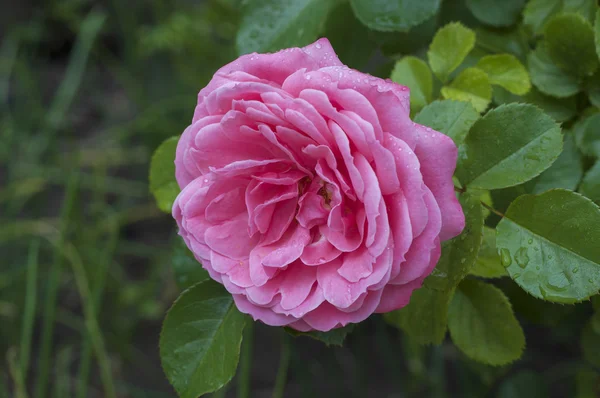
(530, 241)
(505, 258)
(549, 256)
(318, 45)
(575, 270)
(522, 258)
(558, 282)
(462, 260)
(537, 267)
(516, 276)
(590, 280)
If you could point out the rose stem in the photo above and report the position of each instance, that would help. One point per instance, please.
(284, 364)
(246, 361)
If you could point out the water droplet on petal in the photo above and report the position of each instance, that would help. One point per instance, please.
(318, 45)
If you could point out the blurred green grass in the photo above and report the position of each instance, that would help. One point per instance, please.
(88, 89)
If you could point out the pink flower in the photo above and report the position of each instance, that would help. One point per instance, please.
(309, 193)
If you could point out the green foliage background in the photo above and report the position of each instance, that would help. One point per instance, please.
(89, 89)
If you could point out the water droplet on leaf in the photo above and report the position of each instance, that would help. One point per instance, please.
(505, 258)
(522, 258)
(558, 282)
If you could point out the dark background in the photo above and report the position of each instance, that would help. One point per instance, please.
(88, 89)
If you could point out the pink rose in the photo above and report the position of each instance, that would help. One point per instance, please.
(309, 193)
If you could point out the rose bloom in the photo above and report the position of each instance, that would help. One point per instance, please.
(309, 193)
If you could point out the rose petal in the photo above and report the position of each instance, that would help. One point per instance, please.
(437, 154)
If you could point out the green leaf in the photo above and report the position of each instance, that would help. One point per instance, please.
(525, 384)
(188, 271)
(453, 118)
(548, 77)
(271, 25)
(570, 43)
(549, 244)
(482, 324)
(560, 109)
(162, 175)
(449, 48)
(511, 144)
(496, 13)
(418, 37)
(585, 8)
(485, 197)
(487, 264)
(513, 42)
(472, 85)
(590, 186)
(200, 340)
(565, 172)
(425, 317)
(349, 37)
(592, 86)
(507, 71)
(579, 128)
(459, 254)
(588, 136)
(394, 15)
(415, 74)
(534, 310)
(590, 344)
(537, 13)
(334, 337)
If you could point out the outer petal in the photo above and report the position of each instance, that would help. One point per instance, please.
(437, 154)
(398, 296)
(276, 67)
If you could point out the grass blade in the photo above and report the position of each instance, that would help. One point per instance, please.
(100, 278)
(62, 386)
(30, 306)
(15, 372)
(8, 55)
(50, 301)
(90, 27)
(91, 322)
